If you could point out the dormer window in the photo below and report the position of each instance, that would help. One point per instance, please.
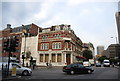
(57, 27)
(56, 35)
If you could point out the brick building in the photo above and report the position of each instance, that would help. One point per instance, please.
(9, 33)
(58, 45)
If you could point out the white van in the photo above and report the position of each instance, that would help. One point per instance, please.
(19, 69)
(106, 63)
(86, 63)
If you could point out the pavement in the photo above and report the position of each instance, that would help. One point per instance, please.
(9, 78)
(17, 77)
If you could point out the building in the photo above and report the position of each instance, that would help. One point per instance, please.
(100, 49)
(118, 24)
(89, 46)
(29, 49)
(58, 45)
(113, 51)
(10, 33)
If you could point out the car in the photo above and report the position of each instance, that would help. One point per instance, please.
(106, 63)
(77, 68)
(86, 63)
(19, 69)
(98, 65)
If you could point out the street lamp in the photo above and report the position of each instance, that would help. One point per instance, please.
(116, 39)
(25, 35)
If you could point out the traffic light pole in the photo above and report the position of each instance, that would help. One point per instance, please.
(8, 62)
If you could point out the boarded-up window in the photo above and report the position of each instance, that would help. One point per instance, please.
(53, 57)
(41, 57)
(59, 58)
(46, 57)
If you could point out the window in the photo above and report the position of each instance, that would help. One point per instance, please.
(17, 66)
(80, 65)
(56, 35)
(53, 57)
(0, 44)
(46, 57)
(44, 46)
(41, 57)
(0, 38)
(45, 37)
(59, 58)
(56, 45)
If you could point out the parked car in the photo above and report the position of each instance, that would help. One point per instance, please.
(77, 68)
(98, 64)
(19, 69)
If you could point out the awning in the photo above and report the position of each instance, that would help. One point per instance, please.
(80, 57)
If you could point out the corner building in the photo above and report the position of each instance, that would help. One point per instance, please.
(58, 45)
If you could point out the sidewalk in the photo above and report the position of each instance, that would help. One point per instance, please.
(117, 67)
(48, 68)
(11, 78)
(53, 67)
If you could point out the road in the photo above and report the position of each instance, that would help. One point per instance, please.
(56, 73)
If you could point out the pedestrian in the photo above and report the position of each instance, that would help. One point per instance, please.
(65, 64)
(26, 64)
(50, 65)
(47, 63)
(112, 64)
(33, 66)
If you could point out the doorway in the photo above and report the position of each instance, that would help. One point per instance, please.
(68, 59)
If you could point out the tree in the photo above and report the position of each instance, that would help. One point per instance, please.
(28, 54)
(87, 54)
(102, 58)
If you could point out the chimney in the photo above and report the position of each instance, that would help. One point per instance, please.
(8, 26)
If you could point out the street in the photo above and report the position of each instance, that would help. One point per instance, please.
(57, 73)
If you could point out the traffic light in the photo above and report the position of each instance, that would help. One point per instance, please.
(12, 45)
(6, 45)
(23, 57)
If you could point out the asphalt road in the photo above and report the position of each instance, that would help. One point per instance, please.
(57, 73)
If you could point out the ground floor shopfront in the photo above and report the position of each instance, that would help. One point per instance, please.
(56, 58)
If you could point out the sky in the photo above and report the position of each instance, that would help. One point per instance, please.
(92, 20)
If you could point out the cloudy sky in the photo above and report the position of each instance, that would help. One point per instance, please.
(92, 20)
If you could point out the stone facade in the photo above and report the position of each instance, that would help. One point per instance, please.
(112, 51)
(29, 46)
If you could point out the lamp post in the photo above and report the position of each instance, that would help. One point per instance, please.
(115, 39)
(25, 35)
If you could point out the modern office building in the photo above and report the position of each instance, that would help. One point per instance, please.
(100, 49)
(118, 24)
(113, 51)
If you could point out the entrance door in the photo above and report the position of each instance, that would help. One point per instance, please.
(68, 59)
